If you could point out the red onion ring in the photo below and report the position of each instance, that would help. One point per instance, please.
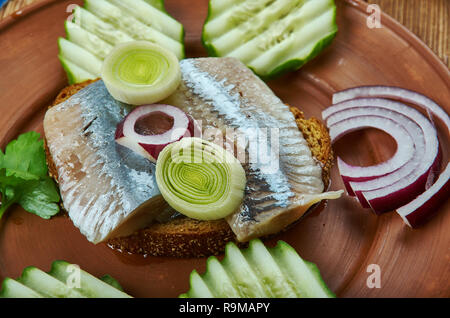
(404, 153)
(150, 145)
(423, 206)
(424, 163)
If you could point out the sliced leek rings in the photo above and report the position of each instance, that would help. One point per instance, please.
(141, 72)
(200, 179)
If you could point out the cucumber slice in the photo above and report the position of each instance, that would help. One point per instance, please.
(47, 285)
(87, 40)
(90, 286)
(316, 272)
(234, 16)
(244, 278)
(156, 19)
(220, 284)
(198, 288)
(75, 74)
(304, 276)
(158, 4)
(216, 7)
(251, 27)
(79, 56)
(301, 44)
(13, 289)
(270, 36)
(121, 20)
(259, 272)
(102, 24)
(103, 30)
(268, 271)
(111, 281)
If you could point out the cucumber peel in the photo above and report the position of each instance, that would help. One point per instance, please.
(259, 272)
(13, 289)
(75, 74)
(100, 25)
(57, 283)
(270, 37)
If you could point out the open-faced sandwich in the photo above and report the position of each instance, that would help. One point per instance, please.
(111, 192)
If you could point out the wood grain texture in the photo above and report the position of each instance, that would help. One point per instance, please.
(428, 19)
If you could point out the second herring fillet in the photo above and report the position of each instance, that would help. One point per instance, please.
(223, 93)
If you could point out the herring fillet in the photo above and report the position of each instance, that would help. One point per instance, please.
(223, 93)
(106, 189)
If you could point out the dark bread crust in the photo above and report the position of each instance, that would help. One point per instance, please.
(185, 237)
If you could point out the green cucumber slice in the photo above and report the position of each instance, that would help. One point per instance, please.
(198, 287)
(75, 74)
(244, 277)
(87, 40)
(305, 277)
(233, 17)
(103, 30)
(79, 56)
(157, 19)
(300, 45)
(251, 27)
(216, 7)
(100, 25)
(316, 272)
(158, 4)
(270, 36)
(219, 282)
(259, 272)
(46, 285)
(111, 281)
(268, 271)
(13, 289)
(90, 286)
(121, 20)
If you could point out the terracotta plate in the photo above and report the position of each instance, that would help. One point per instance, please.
(341, 238)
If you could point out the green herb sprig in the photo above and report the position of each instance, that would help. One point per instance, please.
(24, 178)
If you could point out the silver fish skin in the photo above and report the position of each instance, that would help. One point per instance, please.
(106, 189)
(222, 93)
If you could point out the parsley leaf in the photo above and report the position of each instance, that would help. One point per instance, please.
(24, 179)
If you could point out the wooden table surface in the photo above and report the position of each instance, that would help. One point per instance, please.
(428, 19)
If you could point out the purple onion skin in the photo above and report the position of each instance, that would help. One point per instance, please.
(119, 129)
(424, 213)
(347, 180)
(402, 197)
(347, 186)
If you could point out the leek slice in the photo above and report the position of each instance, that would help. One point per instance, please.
(141, 72)
(200, 179)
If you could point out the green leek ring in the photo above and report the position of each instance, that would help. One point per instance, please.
(141, 72)
(200, 179)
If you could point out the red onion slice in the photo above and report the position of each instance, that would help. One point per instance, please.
(425, 161)
(418, 210)
(426, 205)
(404, 153)
(153, 141)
